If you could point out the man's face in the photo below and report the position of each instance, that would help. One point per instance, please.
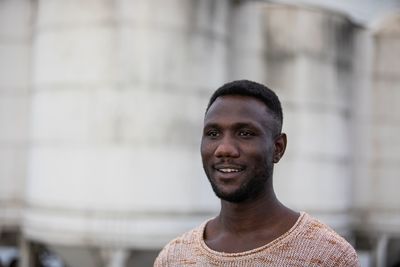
(237, 147)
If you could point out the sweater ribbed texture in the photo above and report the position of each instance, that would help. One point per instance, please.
(308, 243)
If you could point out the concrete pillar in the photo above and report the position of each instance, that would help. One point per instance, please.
(115, 257)
(15, 45)
(381, 251)
(309, 62)
(25, 259)
(80, 255)
(119, 92)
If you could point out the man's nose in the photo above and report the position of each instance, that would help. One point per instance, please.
(227, 148)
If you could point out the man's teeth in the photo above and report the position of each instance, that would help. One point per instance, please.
(229, 170)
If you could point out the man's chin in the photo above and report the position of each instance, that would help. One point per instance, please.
(233, 197)
(231, 193)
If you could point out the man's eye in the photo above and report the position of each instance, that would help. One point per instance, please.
(246, 133)
(213, 133)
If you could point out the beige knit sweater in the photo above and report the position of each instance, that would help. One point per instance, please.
(307, 243)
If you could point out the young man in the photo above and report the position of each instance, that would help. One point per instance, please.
(242, 140)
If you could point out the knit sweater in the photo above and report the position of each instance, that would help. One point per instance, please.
(308, 243)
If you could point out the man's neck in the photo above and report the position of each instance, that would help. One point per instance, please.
(248, 216)
(250, 224)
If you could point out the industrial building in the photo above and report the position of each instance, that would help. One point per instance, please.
(101, 109)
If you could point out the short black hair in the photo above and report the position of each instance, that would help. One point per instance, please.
(251, 89)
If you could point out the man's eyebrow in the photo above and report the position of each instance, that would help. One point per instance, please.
(244, 124)
(211, 125)
(235, 125)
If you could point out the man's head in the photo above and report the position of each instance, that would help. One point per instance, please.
(255, 90)
(241, 140)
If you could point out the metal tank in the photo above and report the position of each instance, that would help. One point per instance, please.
(119, 89)
(381, 202)
(15, 33)
(309, 58)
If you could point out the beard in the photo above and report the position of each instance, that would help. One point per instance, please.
(248, 190)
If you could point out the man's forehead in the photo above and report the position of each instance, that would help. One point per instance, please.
(243, 109)
(234, 109)
(237, 103)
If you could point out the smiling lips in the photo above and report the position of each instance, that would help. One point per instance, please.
(228, 169)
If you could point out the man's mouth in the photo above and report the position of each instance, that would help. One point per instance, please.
(228, 169)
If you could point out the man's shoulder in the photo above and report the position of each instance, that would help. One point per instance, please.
(186, 239)
(313, 229)
(182, 246)
(324, 242)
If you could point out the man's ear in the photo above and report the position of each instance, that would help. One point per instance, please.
(280, 147)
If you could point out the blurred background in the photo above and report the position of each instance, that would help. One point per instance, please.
(101, 109)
